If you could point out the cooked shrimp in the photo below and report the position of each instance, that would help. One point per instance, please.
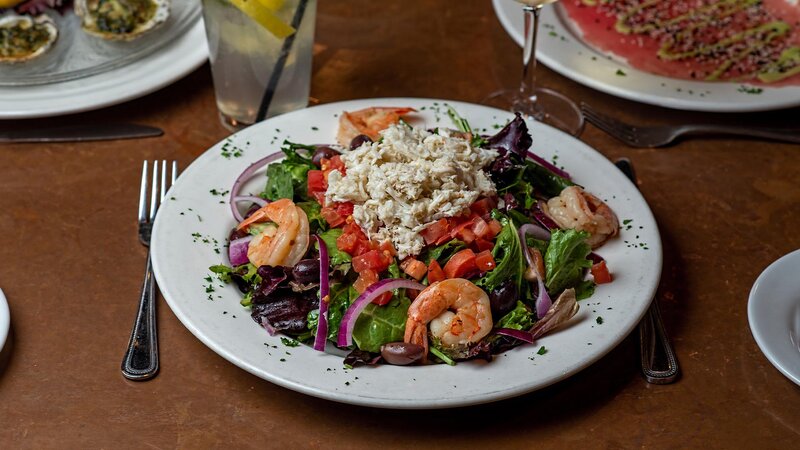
(459, 314)
(578, 209)
(368, 121)
(284, 246)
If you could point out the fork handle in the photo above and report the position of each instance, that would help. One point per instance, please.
(653, 338)
(141, 359)
(778, 134)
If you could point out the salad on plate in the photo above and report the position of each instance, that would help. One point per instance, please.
(408, 245)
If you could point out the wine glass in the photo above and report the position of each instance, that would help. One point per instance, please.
(542, 104)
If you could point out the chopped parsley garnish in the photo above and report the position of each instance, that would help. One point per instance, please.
(621, 73)
(541, 351)
(599, 320)
(290, 342)
(750, 90)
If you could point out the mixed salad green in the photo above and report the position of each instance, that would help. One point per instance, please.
(346, 290)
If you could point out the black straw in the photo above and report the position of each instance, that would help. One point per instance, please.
(266, 99)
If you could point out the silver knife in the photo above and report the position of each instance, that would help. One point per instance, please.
(652, 334)
(81, 133)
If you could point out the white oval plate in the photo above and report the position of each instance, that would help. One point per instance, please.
(192, 225)
(563, 51)
(773, 311)
(5, 319)
(168, 64)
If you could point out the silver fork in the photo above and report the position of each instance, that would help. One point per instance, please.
(653, 339)
(141, 358)
(659, 136)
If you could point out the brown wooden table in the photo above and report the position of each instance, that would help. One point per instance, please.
(71, 268)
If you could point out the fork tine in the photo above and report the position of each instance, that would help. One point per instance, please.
(143, 194)
(154, 192)
(163, 179)
(174, 172)
(610, 125)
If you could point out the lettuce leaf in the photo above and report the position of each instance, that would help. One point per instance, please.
(519, 318)
(339, 260)
(442, 253)
(565, 260)
(342, 295)
(507, 253)
(378, 325)
(315, 221)
(289, 177)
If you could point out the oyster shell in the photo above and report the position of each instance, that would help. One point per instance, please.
(121, 19)
(23, 37)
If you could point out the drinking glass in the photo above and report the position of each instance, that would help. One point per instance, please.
(542, 104)
(256, 73)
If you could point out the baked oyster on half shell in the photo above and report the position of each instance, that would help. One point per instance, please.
(23, 37)
(121, 19)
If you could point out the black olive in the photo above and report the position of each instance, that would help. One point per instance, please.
(322, 152)
(359, 140)
(503, 299)
(306, 271)
(401, 353)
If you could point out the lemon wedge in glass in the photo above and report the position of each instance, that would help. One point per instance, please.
(263, 12)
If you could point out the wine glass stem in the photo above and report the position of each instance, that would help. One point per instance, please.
(527, 88)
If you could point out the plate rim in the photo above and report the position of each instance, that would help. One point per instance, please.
(135, 80)
(760, 333)
(783, 102)
(618, 334)
(5, 319)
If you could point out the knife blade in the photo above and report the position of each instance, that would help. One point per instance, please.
(81, 133)
(652, 334)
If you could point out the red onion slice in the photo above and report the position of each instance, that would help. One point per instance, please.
(324, 296)
(237, 251)
(246, 175)
(516, 334)
(542, 162)
(250, 198)
(541, 217)
(543, 301)
(372, 292)
(270, 329)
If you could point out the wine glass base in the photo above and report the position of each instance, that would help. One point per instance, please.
(545, 105)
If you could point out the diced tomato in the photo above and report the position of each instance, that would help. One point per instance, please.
(353, 228)
(347, 242)
(461, 265)
(485, 261)
(344, 209)
(319, 196)
(415, 268)
(482, 207)
(466, 235)
(387, 247)
(435, 272)
(331, 216)
(494, 228)
(435, 231)
(316, 181)
(600, 273)
(480, 228)
(335, 163)
(362, 247)
(482, 245)
(457, 225)
(366, 279)
(372, 260)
